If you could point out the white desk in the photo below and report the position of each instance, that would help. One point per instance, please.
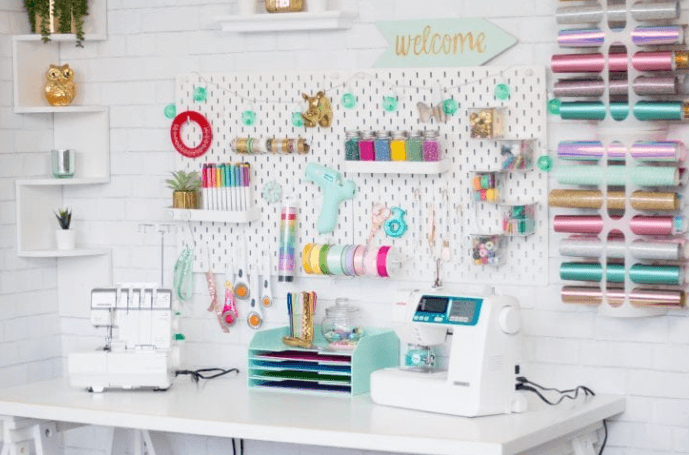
(225, 408)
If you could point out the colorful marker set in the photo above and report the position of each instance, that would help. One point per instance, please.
(226, 186)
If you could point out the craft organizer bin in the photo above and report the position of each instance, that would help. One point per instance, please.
(413, 186)
(276, 366)
(614, 288)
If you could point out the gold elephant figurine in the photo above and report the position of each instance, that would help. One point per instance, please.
(319, 112)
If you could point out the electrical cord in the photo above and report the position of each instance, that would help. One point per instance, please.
(530, 386)
(241, 447)
(196, 375)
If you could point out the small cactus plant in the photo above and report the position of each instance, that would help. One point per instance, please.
(64, 217)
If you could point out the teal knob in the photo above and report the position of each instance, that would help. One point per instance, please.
(450, 106)
(545, 163)
(390, 103)
(248, 117)
(554, 106)
(297, 119)
(200, 94)
(170, 111)
(348, 100)
(502, 91)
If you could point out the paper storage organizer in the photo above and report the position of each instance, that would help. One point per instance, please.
(272, 365)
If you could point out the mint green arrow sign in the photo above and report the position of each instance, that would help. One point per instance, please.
(441, 42)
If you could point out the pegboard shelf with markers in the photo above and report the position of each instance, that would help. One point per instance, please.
(433, 195)
(219, 216)
(617, 205)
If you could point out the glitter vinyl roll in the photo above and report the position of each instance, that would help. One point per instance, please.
(647, 250)
(593, 14)
(591, 295)
(593, 199)
(667, 151)
(617, 62)
(640, 225)
(643, 86)
(641, 36)
(288, 241)
(617, 175)
(615, 273)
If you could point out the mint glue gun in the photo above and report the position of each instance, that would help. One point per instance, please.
(335, 190)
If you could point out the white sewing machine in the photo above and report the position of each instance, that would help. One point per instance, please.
(484, 358)
(139, 356)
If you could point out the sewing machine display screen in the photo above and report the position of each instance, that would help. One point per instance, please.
(448, 310)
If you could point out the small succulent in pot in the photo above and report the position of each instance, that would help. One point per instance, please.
(64, 217)
(184, 186)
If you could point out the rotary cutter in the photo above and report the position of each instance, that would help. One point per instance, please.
(241, 286)
(229, 313)
(255, 317)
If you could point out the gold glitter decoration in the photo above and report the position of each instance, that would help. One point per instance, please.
(319, 112)
(481, 124)
(60, 89)
(284, 6)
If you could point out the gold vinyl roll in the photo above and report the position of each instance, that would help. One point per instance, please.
(639, 297)
(593, 199)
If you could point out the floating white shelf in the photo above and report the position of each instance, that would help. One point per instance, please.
(58, 109)
(397, 167)
(328, 20)
(62, 37)
(49, 181)
(77, 252)
(222, 216)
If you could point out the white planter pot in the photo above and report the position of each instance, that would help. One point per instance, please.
(316, 6)
(65, 238)
(247, 7)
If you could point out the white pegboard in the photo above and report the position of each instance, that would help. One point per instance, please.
(470, 87)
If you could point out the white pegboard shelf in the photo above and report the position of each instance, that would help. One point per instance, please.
(397, 167)
(221, 216)
(328, 20)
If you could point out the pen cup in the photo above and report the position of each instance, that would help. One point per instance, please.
(63, 163)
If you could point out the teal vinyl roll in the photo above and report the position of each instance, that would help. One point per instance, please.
(639, 273)
(617, 175)
(643, 110)
(656, 274)
(659, 110)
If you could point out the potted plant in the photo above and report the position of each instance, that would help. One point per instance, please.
(64, 236)
(185, 187)
(57, 16)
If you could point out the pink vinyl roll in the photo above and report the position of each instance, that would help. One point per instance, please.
(617, 62)
(640, 225)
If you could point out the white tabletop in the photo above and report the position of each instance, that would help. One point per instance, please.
(226, 408)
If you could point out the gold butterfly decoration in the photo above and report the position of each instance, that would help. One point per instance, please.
(59, 88)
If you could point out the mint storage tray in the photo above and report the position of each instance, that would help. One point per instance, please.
(276, 366)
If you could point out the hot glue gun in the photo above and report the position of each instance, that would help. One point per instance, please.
(335, 190)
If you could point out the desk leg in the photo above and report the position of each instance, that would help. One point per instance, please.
(583, 445)
(20, 434)
(141, 440)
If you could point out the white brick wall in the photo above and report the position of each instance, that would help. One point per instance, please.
(133, 72)
(30, 343)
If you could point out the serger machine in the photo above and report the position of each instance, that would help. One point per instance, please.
(483, 362)
(138, 353)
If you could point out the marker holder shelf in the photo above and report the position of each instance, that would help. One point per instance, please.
(274, 366)
(626, 132)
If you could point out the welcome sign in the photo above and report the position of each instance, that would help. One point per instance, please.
(441, 42)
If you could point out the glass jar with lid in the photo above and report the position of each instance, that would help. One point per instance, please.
(431, 147)
(352, 138)
(342, 326)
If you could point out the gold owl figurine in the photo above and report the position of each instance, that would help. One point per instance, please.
(59, 88)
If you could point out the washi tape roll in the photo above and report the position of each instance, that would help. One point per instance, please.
(382, 261)
(359, 254)
(348, 260)
(334, 259)
(371, 262)
(305, 258)
(314, 259)
(323, 259)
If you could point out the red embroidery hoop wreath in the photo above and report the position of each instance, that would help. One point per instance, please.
(176, 134)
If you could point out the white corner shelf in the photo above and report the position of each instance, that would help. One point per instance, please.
(54, 253)
(275, 22)
(221, 216)
(58, 109)
(50, 181)
(62, 37)
(397, 167)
